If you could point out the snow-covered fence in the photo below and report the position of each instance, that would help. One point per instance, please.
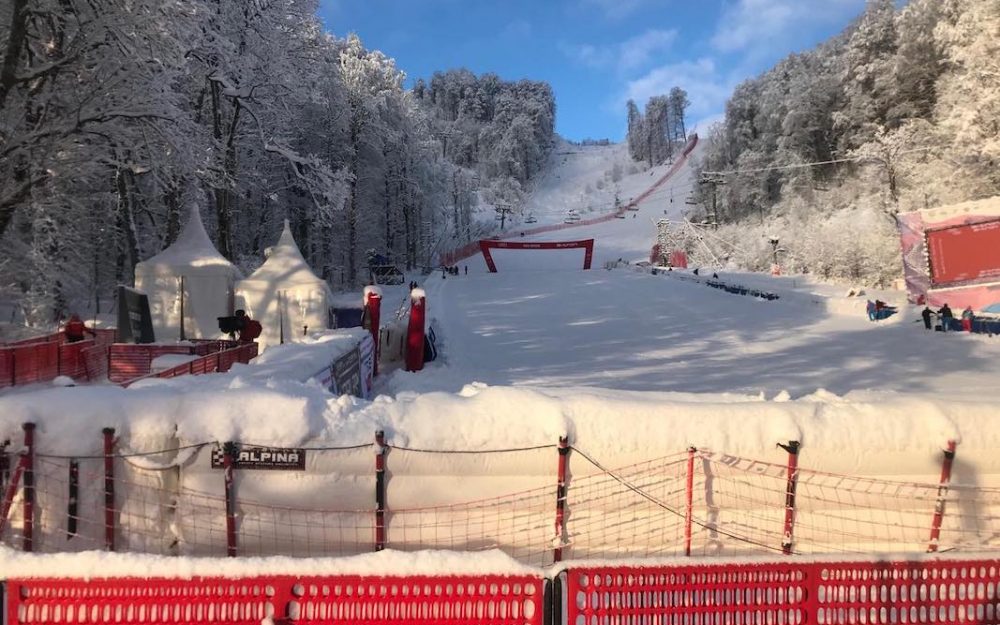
(538, 504)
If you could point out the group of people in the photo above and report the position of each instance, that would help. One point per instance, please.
(453, 270)
(878, 310)
(945, 315)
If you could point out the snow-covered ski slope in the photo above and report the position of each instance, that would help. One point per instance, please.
(541, 321)
(579, 179)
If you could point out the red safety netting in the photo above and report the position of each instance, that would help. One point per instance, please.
(697, 503)
(43, 358)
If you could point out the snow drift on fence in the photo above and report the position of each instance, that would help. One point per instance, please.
(880, 434)
(101, 564)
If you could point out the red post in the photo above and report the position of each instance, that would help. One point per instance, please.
(689, 503)
(228, 455)
(373, 305)
(793, 479)
(380, 451)
(561, 498)
(109, 488)
(415, 331)
(29, 487)
(942, 495)
(11, 491)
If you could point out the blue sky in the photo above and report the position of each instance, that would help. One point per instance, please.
(596, 53)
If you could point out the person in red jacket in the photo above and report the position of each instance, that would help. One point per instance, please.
(249, 328)
(75, 329)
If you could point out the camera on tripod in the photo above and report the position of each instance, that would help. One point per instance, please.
(231, 325)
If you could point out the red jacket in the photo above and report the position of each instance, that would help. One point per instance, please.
(74, 330)
(251, 330)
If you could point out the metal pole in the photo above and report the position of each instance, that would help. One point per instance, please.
(380, 452)
(29, 487)
(689, 508)
(228, 455)
(109, 488)
(72, 507)
(561, 497)
(182, 335)
(793, 478)
(942, 495)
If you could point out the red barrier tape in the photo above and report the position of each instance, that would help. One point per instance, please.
(411, 600)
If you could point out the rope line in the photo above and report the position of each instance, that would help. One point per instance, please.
(657, 502)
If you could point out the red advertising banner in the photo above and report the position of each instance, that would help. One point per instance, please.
(587, 245)
(964, 253)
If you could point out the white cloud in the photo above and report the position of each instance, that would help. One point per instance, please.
(706, 88)
(637, 51)
(755, 26)
(615, 9)
(623, 57)
(598, 57)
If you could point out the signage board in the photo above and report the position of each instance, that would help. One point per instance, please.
(263, 458)
(135, 324)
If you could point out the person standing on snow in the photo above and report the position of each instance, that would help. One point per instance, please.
(967, 319)
(926, 313)
(946, 316)
(75, 329)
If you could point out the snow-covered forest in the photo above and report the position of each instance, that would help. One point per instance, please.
(116, 117)
(655, 135)
(899, 112)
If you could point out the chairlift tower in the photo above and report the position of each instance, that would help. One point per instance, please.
(503, 210)
(714, 179)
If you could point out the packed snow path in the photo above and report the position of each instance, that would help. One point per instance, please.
(541, 321)
(625, 330)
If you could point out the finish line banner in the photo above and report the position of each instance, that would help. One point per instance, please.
(486, 245)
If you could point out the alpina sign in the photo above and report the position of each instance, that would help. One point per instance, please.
(263, 458)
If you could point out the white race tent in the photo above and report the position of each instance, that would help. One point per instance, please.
(284, 294)
(207, 278)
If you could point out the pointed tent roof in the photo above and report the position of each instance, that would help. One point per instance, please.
(192, 248)
(286, 265)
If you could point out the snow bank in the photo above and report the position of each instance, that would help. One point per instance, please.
(294, 513)
(302, 360)
(866, 433)
(388, 563)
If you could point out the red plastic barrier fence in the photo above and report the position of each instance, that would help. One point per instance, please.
(359, 600)
(219, 362)
(830, 593)
(41, 359)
